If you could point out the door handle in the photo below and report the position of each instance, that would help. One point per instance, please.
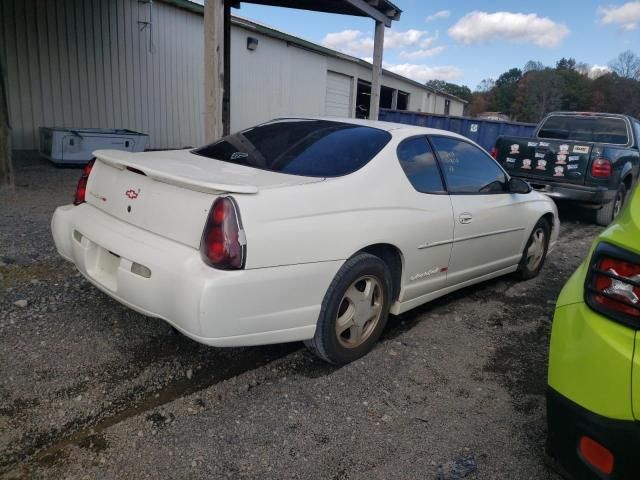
(465, 217)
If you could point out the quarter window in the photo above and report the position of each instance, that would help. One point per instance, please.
(419, 164)
(467, 169)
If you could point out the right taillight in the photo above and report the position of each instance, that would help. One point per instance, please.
(223, 244)
(613, 284)
(81, 189)
(601, 167)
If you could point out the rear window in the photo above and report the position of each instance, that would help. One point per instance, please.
(586, 129)
(315, 148)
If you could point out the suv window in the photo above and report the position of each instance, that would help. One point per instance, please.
(467, 169)
(587, 128)
(419, 164)
(315, 148)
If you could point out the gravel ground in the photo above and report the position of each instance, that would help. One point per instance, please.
(89, 389)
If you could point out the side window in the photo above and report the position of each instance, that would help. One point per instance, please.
(467, 169)
(419, 165)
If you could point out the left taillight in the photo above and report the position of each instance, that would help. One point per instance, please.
(81, 189)
(494, 153)
(613, 284)
(223, 244)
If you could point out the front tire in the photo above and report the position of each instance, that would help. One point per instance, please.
(354, 310)
(610, 211)
(535, 251)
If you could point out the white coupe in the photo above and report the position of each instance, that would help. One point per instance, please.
(301, 229)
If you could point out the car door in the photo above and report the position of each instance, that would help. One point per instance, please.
(490, 223)
(429, 232)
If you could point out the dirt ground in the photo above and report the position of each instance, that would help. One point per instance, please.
(89, 389)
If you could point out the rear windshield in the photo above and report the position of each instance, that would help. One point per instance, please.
(315, 148)
(586, 129)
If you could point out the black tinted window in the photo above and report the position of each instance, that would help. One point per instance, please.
(419, 164)
(316, 148)
(585, 128)
(467, 169)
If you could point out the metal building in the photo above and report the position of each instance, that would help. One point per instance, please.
(139, 65)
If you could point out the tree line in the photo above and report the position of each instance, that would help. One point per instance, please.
(527, 94)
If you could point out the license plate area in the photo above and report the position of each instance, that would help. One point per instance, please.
(102, 266)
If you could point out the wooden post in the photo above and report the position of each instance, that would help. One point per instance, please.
(226, 95)
(6, 166)
(376, 73)
(213, 68)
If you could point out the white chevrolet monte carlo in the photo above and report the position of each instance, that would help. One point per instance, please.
(301, 229)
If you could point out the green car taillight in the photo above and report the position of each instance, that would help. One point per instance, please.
(612, 286)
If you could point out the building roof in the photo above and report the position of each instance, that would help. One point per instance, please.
(251, 25)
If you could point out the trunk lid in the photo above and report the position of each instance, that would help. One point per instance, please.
(170, 193)
(563, 161)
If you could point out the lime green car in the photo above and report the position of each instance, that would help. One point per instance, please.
(593, 395)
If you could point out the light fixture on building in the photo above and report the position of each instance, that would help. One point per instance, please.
(252, 43)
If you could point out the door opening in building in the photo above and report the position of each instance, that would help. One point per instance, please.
(389, 98)
(363, 96)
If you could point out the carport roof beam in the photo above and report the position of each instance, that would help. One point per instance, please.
(380, 10)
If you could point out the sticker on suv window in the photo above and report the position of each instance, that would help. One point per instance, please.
(580, 149)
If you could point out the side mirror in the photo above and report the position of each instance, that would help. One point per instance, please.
(517, 185)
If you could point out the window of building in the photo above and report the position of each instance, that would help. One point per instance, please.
(386, 97)
(403, 100)
(447, 106)
(419, 164)
(467, 169)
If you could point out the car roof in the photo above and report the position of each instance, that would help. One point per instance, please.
(396, 128)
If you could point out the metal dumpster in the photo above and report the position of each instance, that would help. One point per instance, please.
(69, 146)
(482, 131)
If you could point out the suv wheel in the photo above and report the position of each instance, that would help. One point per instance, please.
(610, 211)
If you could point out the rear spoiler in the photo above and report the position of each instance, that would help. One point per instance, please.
(125, 160)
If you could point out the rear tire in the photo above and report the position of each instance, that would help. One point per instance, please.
(354, 310)
(535, 252)
(611, 210)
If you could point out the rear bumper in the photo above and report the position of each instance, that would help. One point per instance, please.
(215, 307)
(575, 193)
(568, 422)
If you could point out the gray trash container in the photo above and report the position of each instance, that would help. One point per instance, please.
(69, 146)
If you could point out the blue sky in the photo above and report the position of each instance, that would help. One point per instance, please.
(465, 42)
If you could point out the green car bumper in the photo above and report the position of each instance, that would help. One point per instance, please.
(593, 395)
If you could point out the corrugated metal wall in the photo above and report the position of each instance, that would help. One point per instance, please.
(86, 63)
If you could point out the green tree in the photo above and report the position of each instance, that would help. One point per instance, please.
(505, 90)
(576, 90)
(539, 92)
(566, 64)
(460, 91)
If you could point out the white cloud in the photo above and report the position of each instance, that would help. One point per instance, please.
(422, 73)
(626, 16)
(422, 53)
(597, 71)
(517, 27)
(438, 15)
(355, 42)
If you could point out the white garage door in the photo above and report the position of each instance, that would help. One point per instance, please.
(337, 102)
